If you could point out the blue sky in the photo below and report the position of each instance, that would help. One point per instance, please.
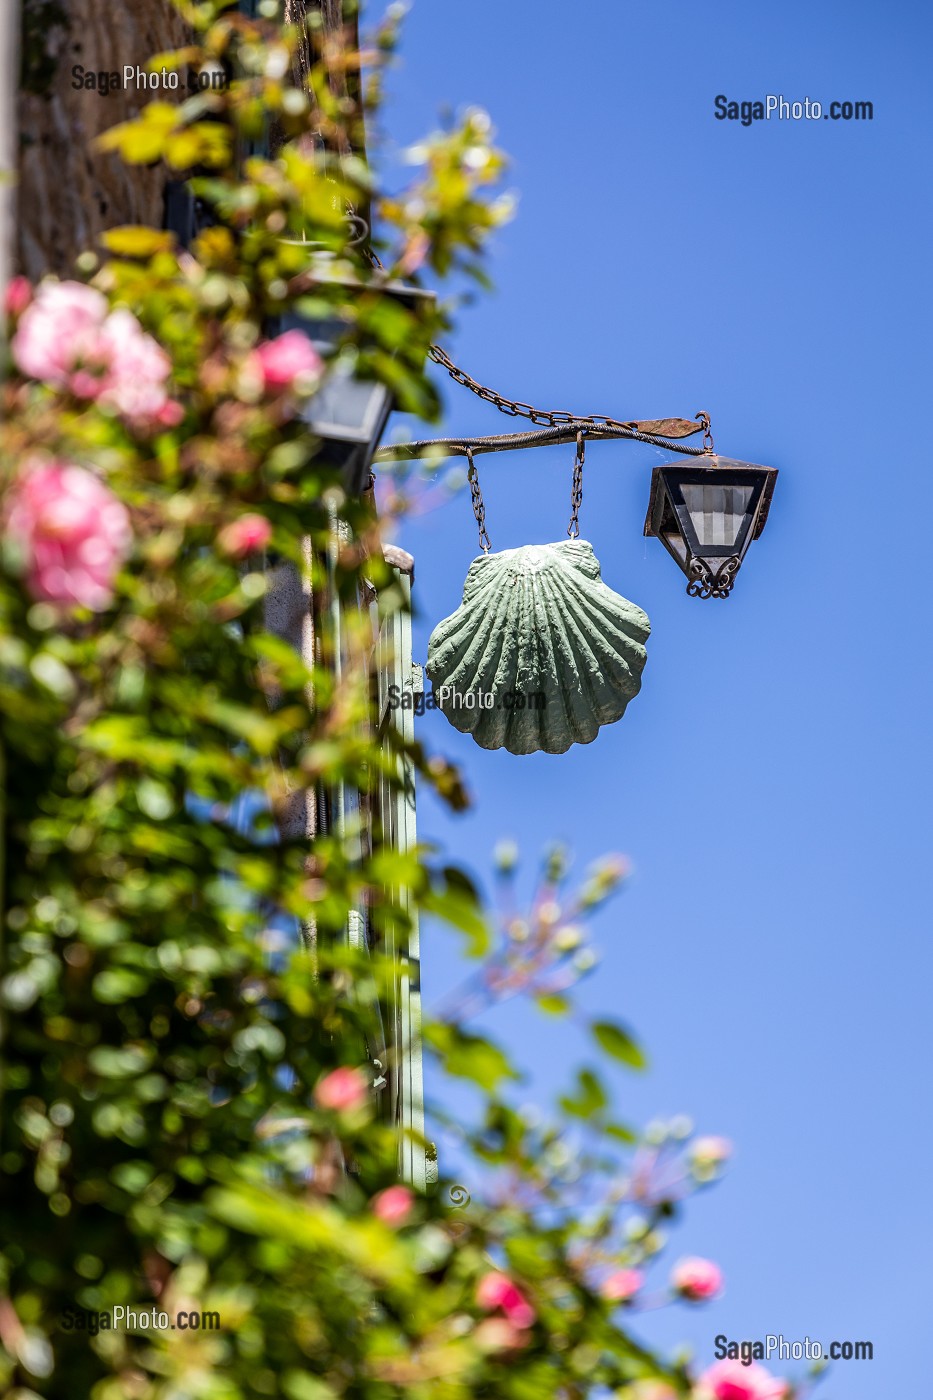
(771, 782)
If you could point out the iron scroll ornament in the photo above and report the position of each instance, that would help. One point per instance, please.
(706, 584)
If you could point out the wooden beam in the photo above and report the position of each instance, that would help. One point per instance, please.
(9, 71)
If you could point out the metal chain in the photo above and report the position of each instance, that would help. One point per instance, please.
(515, 408)
(479, 509)
(576, 491)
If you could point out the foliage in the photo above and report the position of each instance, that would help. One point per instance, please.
(174, 1133)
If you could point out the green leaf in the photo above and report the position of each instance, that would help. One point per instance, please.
(298, 1385)
(319, 1229)
(116, 985)
(618, 1042)
(137, 241)
(462, 912)
(112, 1062)
(621, 1132)
(141, 140)
(469, 1056)
(553, 1004)
(590, 1098)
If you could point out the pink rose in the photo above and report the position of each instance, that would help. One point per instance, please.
(341, 1090)
(17, 296)
(59, 331)
(137, 367)
(696, 1279)
(732, 1380)
(243, 536)
(498, 1291)
(69, 337)
(170, 414)
(73, 532)
(288, 362)
(393, 1205)
(621, 1286)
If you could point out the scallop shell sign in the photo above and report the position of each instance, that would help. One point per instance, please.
(540, 653)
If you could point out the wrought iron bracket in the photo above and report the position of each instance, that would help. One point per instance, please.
(541, 437)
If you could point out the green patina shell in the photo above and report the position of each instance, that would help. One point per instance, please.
(537, 621)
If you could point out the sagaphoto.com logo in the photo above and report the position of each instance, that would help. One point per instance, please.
(135, 77)
(777, 107)
(448, 698)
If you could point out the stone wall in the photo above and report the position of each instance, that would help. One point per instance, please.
(68, 192)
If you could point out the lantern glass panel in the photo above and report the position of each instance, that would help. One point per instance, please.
(674, 541)
(348, 408)
(718, 513)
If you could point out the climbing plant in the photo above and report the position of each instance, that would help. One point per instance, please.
(200, 1195)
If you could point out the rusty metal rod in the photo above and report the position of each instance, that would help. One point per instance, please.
(508, 442)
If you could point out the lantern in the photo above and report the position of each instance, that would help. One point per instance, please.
(348, 414)
(706, 514)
